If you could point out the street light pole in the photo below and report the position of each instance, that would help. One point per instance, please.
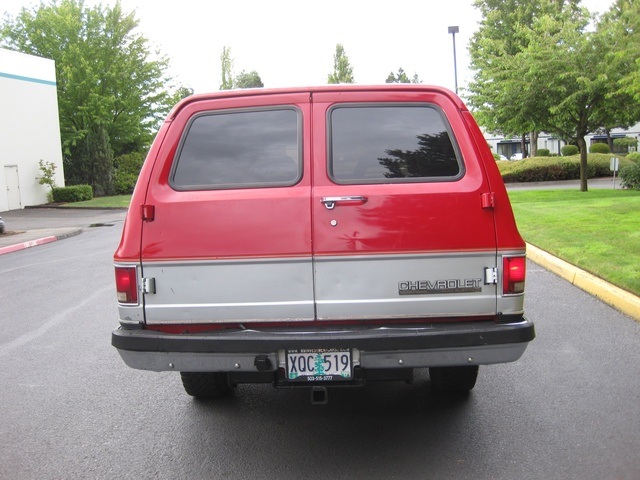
(453, 31)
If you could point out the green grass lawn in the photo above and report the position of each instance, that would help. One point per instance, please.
(598, 230)
(117, 201)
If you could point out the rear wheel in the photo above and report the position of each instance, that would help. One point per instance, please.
(206, 384)
(453, 379)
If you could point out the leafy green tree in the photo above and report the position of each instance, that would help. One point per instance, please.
(621, 26)
(562, 66)
(540, 66)
(342, 69)
(619, 34)
(175, 97)
(498, 102)
(248, 80)
(401, 77)
(95, 162)
(226, 64)
(110, 92)
(180, 93)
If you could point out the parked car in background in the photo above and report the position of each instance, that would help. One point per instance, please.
(2, 228)
(516, 156)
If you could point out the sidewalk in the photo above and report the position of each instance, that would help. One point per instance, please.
(595, 183)
(38, 226)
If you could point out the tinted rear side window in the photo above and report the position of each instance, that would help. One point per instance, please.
(239, 149)
(382, 144)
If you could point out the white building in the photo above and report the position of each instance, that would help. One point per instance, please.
(29, 128)
(508, 146)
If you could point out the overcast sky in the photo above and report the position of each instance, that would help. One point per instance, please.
(292, 42)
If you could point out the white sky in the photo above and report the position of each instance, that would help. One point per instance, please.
(292, 42)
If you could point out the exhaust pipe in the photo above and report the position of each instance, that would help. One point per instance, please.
(319, 395)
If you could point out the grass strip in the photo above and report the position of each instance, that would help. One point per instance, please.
(117, 201)
(598, 230)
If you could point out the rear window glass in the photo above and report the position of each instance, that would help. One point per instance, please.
(383, 144)
(239, 149)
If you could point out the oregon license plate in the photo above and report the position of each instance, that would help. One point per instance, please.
(319, 365)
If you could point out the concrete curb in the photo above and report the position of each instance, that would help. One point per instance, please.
(38, 241)
(616, 297)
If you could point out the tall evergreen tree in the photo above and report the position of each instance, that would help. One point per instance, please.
(342, 69)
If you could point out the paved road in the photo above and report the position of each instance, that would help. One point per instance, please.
(72, 409)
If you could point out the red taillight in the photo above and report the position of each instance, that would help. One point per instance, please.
(514, 271)
(127, 284)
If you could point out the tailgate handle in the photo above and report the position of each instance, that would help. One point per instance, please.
(330, 202)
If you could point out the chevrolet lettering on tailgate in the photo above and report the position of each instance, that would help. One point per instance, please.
(426, 287)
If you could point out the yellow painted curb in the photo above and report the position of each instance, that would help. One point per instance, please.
(618, 298)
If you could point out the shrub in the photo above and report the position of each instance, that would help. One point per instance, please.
(599, 148)
(630, 176)
(569, 150)
(75, 193)
(634, 157)
(544, 152)
(127, 169)
(625, 142)
(556, 168)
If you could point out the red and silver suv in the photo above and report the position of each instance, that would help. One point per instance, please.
(320, 237)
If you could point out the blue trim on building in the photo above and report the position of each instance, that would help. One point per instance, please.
(27, 79)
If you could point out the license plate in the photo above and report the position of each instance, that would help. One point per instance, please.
(319, 365)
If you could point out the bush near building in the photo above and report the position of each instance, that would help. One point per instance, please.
(599, 148)
(75, 193)
(546, 169)
(630, 174)
(569, 150)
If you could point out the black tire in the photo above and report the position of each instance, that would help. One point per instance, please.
(206, 384)
(453, 379)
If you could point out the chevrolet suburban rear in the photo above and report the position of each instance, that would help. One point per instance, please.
(314, 237)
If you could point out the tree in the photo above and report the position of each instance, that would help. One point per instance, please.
(562, 65)
(248, 80)
(179, 94)
(342, 70)
(621, 24)
(96, 160)
(242, 80)
(109, 90)
(226, 64)
(541, 67)
(498, 103)
(401, 77)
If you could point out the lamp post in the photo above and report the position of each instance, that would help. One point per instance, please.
(453, 31)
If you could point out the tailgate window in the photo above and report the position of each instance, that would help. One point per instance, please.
(240, 149)
(390, 144)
